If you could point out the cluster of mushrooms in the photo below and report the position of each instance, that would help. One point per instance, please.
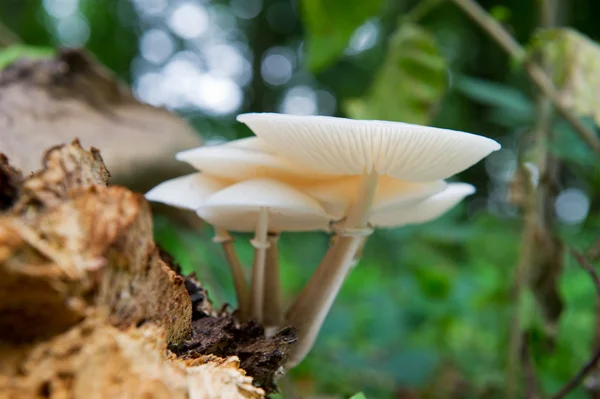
(317, 173)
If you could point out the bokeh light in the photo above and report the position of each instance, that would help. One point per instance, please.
(156, 46)
(150, 8)
(364, 37)
(61, 8)
(246, 9)
(278, 66)
(188, 20)
(300, 100)
(572, 206)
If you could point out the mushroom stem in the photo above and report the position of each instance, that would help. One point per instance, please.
(359, 251)
(223, 237)
(272, 300)
(309, 310)
(260, 244)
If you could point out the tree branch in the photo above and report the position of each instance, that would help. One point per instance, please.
(532, 386)
(421, 9)
(589, 366)
(538, 270)
(535, 72)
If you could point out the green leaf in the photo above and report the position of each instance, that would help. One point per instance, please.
(567, 145)
(575, 62)
(410, 83)
(359, 395)
(496, 95)
(14, 53)
(330, 24)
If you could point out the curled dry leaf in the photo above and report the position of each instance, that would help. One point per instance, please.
(51, 101)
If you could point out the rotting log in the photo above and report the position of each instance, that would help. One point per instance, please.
(91, 308)
(51, 101)
(46, 102)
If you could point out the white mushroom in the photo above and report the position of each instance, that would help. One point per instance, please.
(369, 149)
(337, 195)
(346, 146)
(190, 192)
(246, 159)
(391, 194)
(236, 207)
(223, 237)
(264, 206)
(186, 192)
(272, 299)
(393, 215)
(425, 211)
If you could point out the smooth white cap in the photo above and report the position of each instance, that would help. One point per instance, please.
(425, 211)
(187, 192)
(250, 143)
(345, 146)
(236, 208)
(337, 195)
(245, 159)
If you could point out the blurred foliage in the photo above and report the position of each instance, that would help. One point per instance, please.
(409, 84)
(426, 313)
(575, 61)
(17, 52)
(330, 24)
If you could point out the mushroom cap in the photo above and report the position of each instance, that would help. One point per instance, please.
(250, 143)
(336, 195)
(236, 207)
(187, 192)
(345, 146)
(425, 211)
(246, 159)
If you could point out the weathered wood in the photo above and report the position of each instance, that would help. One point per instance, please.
(91, 308)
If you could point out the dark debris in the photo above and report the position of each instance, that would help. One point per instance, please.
(10, 183)
(261, 357)
(217, 333)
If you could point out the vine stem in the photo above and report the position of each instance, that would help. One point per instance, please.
(595, 359)
(535, 72)
(536, 220)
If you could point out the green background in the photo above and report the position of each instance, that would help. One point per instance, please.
(427, 311)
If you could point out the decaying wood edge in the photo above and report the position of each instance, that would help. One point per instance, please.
(90, 307)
